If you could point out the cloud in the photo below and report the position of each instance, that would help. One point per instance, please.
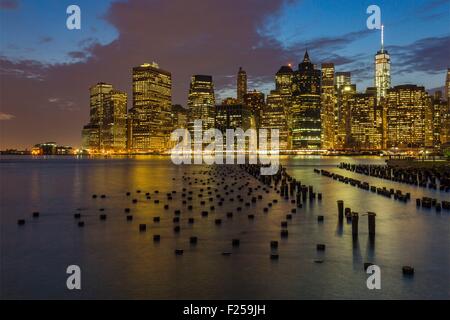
(429, 55)
(25, 69)
(45, 39)
(6, 116)
(78, 55)
(9, 4)
(431, 5)
(65, 105)
(339, 42)
(433, 10)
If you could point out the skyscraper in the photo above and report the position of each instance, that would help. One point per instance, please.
(343, 79)
(445, 129)
(406, 109)
(365, 122)
(151, 112)
(92, 133)
(241, 85)
(447, 88)
(273, 116)
(283, 80)
(201, 103)
(179, 116)
(434, 117)
(106, 130)
(230, 101)
(90, 137)
(343, 118)
(114, 131)
(99, 97)
(328, 100)
(382, 70)
(306, 79)
(232, 116)
(445, 121)
(305, 110)
(254, 101)
(282, 97)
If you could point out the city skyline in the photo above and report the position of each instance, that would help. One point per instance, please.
(313, 109)
(66, 105)
(309, 89)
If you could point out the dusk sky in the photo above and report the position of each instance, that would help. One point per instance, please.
(46, 69)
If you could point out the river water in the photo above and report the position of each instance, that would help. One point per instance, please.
(119, 262)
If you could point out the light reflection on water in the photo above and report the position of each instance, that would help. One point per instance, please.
(119, 262)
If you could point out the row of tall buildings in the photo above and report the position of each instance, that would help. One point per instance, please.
(312, 108)
(143, 128)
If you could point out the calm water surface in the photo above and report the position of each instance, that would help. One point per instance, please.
(117, 261)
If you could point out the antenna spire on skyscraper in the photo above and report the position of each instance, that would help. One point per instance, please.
(306, 57)
(382, 70)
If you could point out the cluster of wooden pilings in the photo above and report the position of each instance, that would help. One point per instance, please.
(353, 218)
(232, 187)
(428, 203)
(432, 178)
(202, 194)
(383, 191)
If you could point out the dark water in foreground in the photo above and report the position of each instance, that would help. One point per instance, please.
(117, 261)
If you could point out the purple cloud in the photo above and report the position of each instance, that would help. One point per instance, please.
(9, 4)
(6, 116)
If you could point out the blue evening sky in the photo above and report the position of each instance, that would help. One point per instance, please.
(33, 31)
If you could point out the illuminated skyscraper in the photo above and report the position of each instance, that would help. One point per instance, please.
(114, 130)
(429, 116)
(343, 118)
(241, 85)
(447, 88)
(273, 116)
(382, 70)
(179, 116)
(282, 97)
(254, 100)
(365, 122)
(328, 100)
(90, 137)
(106, 130)
(201, 102)
(305, 112)
(151, 112)
(306, 79)
(406, 109)
(230, 101)
(343, 79)
(445, 129)
(283, 80)
(100, 95)
(229, 116)
(380, 118)
(435, 118)
(445, 121)
(327, 75)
